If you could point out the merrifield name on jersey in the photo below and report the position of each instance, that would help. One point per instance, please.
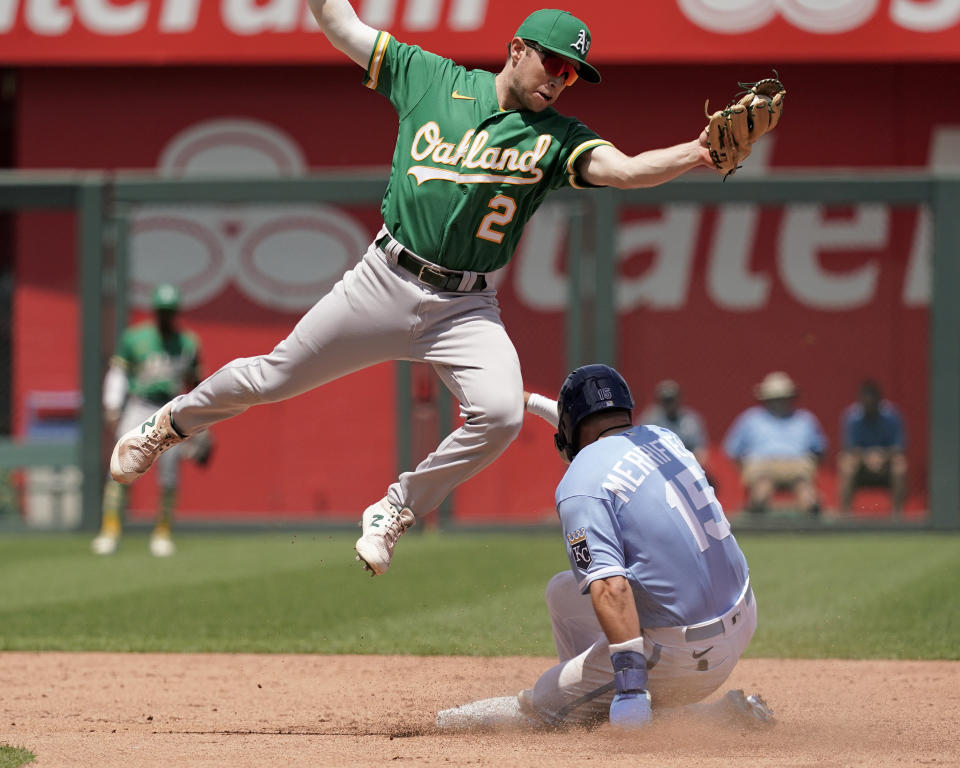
(635, 466)
(472, 152)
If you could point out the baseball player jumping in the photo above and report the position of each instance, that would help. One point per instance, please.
(657, 605)
(476, 155)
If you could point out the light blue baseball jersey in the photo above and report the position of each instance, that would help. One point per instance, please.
(759, 434)
(638, 505)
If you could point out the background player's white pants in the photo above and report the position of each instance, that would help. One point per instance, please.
(580, 688)
(135, 412)
(379, 312)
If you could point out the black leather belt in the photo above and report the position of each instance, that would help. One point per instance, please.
(429, 274)
(714, 628)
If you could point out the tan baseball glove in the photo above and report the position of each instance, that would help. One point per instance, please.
(732, 131)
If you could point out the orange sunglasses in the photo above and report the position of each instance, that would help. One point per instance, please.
(554, 64)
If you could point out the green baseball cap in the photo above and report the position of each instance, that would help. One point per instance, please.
(166, 296)
(562, 33)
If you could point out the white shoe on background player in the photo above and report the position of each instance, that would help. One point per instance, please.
(382, 525)
(104, 544)
(161, 545)
(136, 451)
(752, 708)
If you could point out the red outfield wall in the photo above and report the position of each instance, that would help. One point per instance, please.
(830, 296)
(713, 299)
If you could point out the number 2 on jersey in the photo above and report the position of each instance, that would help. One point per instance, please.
(502, 214)
(694, 482)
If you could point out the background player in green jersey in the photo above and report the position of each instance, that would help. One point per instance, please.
(154, 362)
(476, 154)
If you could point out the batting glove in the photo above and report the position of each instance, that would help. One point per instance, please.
(630, 707)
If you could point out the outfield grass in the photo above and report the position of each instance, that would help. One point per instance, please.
(841, 596)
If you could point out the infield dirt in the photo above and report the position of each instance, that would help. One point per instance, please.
(142, 710)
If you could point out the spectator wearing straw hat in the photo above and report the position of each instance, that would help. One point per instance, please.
(777, 446)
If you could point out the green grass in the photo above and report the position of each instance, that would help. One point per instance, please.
(13, 757)
(841, 596)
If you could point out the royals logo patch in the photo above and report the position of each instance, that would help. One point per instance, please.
(578, 546)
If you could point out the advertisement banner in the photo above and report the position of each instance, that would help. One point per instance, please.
(284, 31)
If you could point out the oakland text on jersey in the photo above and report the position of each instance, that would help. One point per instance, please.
(638, 463)
(472, 152)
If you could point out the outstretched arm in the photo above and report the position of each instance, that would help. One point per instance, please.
(343, 28)
(607, 166)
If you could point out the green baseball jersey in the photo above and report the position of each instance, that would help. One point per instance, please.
(466, 175)
(158, 369)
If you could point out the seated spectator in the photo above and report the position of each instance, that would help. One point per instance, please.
(874, 441)
(667, 411)
(777, 446)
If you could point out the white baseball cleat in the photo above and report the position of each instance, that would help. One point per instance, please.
(161, 545)
(136, 451)
(382, 524)
(751, 708)
(104, 544)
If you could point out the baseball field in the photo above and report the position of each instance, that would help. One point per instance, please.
(264, 650)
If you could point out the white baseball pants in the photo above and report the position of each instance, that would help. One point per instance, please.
(379, 312)
(580, 688)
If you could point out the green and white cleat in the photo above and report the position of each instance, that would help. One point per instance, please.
(382, 525)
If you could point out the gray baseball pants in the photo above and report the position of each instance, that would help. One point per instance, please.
(379, 312)
(579, 688)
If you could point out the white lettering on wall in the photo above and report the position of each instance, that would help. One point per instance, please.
(309, 22)
(48, 17)
(248, 17)
(805, 232)
(730, 282)
(105, 18)
(926, 15)
(729, 16)
(464, 15)
(808, 249)
(467, 14)
(8, 14)
(421, 14)
(541, 283)
(672, 238)
(828, 17)
(825, 17)
(179, 15)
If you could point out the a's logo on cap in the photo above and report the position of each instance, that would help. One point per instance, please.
(582, 43)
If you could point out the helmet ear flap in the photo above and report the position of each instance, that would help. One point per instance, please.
(563, 445)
